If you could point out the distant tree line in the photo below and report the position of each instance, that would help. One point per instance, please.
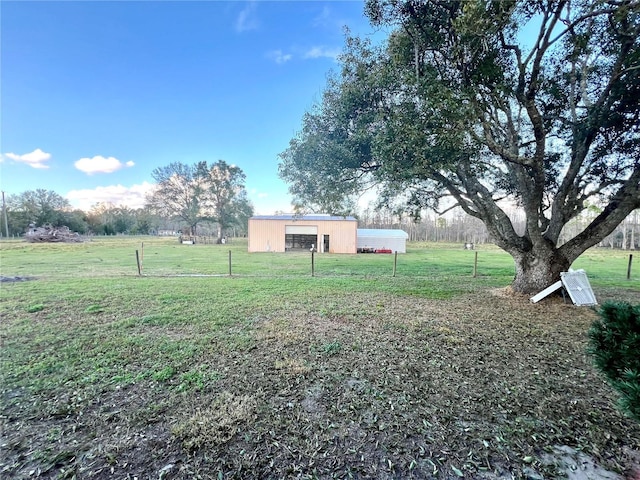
(458, 227)
(193, 199)
(46, 207)
(41, 207)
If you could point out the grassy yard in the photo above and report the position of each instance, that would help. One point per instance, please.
(187, 372)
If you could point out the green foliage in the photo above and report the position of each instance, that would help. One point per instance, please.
(200, 192)
(108, 219)
(331, 348)
(615, 345)
(77, 221)
(38, 207)
(164, 374)
(41, 207)
(197, 379)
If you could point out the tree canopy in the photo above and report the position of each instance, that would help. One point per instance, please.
(486, 104)
(39, 206)
(198, 193)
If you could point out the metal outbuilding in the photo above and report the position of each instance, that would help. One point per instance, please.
(285, 233)
(381, 240)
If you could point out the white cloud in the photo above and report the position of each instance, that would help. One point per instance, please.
(263, 195)
(100, 164)
(322, 52)
(279, 56)
(247, 19)
(34, 159)
(328, 20)
(133, 196)
(324, 19)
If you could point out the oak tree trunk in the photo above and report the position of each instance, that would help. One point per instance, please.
(537, 269)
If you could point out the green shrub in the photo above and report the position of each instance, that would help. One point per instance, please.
(614, 341)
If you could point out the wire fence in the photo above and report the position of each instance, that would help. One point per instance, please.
(156, 256)
(220, 260)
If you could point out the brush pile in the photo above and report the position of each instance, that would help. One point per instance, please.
(49, 234)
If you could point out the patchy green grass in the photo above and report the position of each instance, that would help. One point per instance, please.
(272, 373)
(116, 256)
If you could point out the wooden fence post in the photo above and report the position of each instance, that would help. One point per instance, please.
(395, 263)
(138, 262)
(629, 266)
(475, 265)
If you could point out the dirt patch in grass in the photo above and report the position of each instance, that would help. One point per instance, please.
(482, 386)
(5, 279)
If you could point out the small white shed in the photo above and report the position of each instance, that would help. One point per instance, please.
(388, 241)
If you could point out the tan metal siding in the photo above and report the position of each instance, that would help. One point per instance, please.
(342, 235)
(269, 235)
(266, 235)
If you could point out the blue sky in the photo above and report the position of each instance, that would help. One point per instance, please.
(95, 95)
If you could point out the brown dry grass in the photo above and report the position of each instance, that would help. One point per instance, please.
(214, 425)
(485, 386)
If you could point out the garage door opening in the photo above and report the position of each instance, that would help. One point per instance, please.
(300, 242)
(300, 237)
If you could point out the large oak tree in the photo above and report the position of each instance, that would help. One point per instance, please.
(488, 103)
(199, 193)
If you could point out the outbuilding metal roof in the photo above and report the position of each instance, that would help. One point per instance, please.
(293, 217)
(382, 233)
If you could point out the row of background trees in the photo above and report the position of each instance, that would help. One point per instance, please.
(199, 199)
(458, 227)
(42, 207)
